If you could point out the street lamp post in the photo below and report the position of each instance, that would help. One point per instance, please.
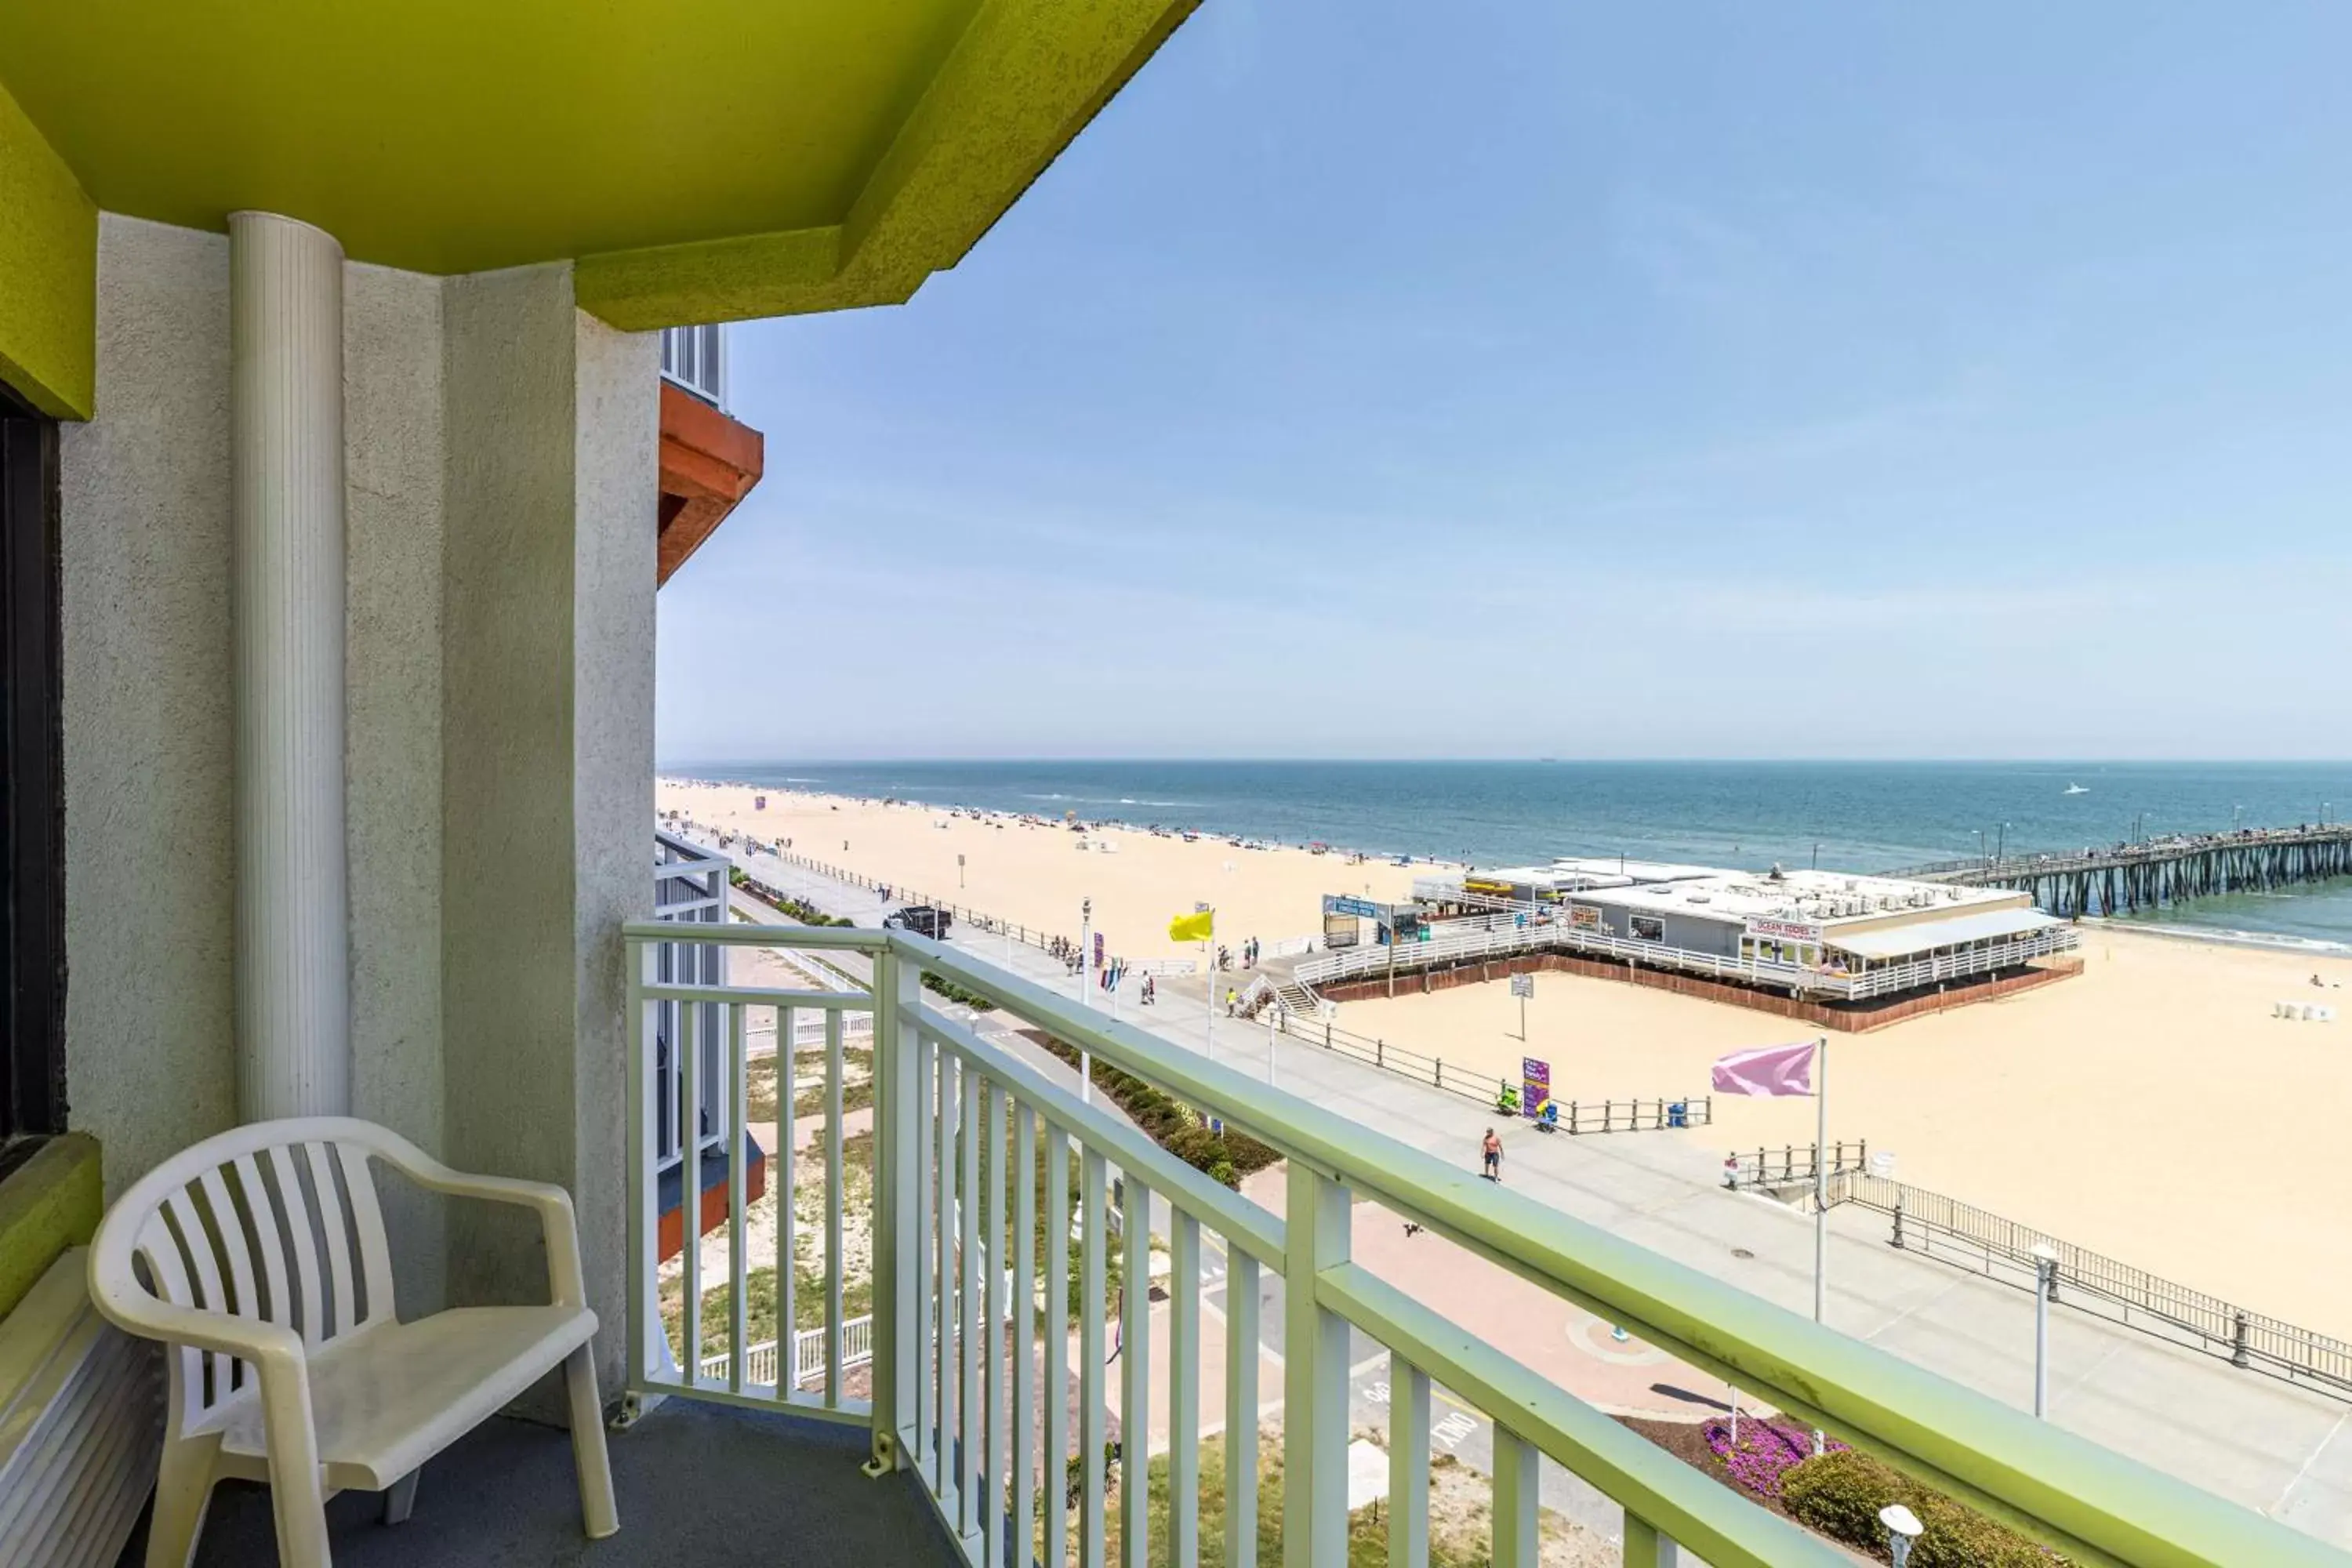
(1086, 964)
(2001, 853)
(2045, 1284)
(1981, 844)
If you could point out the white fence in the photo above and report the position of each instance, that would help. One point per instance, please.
(975, 1148)
(809, 1359)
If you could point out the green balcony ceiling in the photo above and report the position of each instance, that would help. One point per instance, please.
(702, 160)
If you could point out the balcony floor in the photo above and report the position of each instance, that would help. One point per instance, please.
(703, 1484)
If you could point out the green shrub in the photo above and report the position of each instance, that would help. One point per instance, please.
(736, 877)
(955, 993)
(1839, 1494)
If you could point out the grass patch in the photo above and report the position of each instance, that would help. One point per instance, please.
(857, 1094)
(759, 1089)
(1461, 1526)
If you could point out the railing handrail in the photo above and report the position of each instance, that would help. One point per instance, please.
(2079, 1497)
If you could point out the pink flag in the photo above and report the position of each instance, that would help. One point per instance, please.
(1766, 1070)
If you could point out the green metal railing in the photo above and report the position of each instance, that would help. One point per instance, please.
(949, 1332)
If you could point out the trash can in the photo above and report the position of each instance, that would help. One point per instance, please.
(1678, 1114)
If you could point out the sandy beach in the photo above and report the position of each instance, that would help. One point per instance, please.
(1037, 876)
(2151, 1108)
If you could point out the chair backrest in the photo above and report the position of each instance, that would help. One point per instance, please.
(276, 1222)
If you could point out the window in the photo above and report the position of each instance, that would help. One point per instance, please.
(31, 809)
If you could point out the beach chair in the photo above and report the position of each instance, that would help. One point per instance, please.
(259, 1256)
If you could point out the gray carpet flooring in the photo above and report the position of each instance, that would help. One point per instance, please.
(703, 1485)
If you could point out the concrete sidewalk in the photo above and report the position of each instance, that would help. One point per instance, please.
(2275, 1447)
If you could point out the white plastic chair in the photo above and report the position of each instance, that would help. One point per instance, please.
(259, 1256)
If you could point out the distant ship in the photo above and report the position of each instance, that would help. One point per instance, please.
(2076, 789)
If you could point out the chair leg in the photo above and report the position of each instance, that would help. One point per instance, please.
(588, 1455)
(400, 1498)
(183, 1487)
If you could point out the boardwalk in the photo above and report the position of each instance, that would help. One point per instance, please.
(2156, 871)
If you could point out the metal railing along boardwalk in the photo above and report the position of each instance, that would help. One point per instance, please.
(974, 1147)
(1575, 1116)
(1946, 1227)
(1792, 1166)
(1502, 942)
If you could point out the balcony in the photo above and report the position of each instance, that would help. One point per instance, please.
(986, 1380)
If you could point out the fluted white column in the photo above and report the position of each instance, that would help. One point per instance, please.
(286, 423)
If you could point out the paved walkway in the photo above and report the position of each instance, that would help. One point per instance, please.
(2275, 1447)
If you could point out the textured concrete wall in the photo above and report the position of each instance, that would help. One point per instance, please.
(394, 461)
(617, 492)
(547, 640)
(506, 776)
(148, 864)
(502, 456)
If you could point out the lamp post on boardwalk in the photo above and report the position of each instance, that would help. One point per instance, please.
(1085, 947)
(2045, 1277)
(2001, 853)
(1981, 844)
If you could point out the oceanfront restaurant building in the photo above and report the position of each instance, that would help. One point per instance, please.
(335, 486)
(1847, 930)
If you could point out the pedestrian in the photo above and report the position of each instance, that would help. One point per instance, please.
(1491, 1154)
(1232, 997)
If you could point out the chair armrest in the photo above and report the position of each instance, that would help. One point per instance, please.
(565, 1285)
(131, 1307)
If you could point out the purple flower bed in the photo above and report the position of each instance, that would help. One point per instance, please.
(1766, 1451)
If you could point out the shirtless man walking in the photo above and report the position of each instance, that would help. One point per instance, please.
(1491, 1151)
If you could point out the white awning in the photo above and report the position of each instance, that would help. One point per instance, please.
(1900, 942)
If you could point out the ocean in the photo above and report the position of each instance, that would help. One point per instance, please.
(1855, 816)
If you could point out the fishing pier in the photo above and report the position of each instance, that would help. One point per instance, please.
(2151, 872)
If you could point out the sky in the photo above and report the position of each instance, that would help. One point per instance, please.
(1724, 380)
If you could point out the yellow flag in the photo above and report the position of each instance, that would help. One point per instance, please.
(1192, 928)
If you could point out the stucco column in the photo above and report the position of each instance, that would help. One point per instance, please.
(286, 435)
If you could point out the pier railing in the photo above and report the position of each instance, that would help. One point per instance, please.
(973, 1147)
(2149, 872)
(1944, 1228)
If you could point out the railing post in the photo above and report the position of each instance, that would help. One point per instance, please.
(1646, 1548)
(897, 997)
(1517, 1481)
(2239, 1354)
(1898, 1221)
(644, 1304)
(1314, 1376)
